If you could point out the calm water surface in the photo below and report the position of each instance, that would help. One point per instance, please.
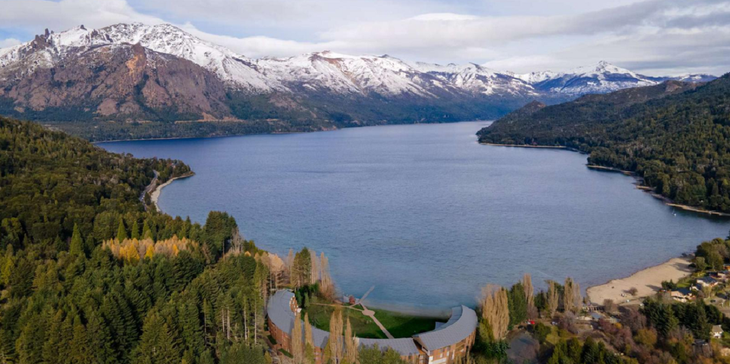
(423, 212)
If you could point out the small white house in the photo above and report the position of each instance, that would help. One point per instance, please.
(717, 331)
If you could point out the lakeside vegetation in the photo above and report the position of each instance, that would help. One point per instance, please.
(87, 275)
(67, 297)
(660, 330)
(676, 136)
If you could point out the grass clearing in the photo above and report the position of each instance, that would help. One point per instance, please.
(399, 325)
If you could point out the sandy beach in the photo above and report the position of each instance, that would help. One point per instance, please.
(646, 281)
(155, 195)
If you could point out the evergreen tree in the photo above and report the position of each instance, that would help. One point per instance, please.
(135, 230)
(156, 344)
(517, 304)
(121, 231)
(77, 243)
(79, 343)
(147, 231)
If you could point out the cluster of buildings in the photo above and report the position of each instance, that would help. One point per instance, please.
(711, 280)
(444, 345)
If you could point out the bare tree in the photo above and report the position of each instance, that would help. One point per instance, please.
(567, 322)
(530, 295)
(308, 341)
(568, 298)
(609, 306)
(326, 286)
(297, 350)
(351, 345)
(290, 265)
(577, 297)
(553, 298)
(335, 339)
(495, 310)
(315, 272)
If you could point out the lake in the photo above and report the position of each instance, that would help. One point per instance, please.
(426, 214)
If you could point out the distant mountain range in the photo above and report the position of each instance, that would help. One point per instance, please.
(136, 72)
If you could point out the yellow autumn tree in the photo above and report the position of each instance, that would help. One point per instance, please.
(132, 250)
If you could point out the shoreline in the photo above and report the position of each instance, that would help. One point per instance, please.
(157, 191)
(335, 128)
(639, 185)
(647, 281)
(532, 146)
(611, 169)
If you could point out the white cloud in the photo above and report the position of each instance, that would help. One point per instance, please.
(667, 36)
(36, 15)
(9, 42)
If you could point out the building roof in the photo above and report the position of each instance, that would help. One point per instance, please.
(280, 312)
(717, 328)
(282, 316)
(404, 347)
(461, 324)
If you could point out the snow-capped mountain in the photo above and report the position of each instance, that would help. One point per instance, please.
(83, 70)
(236, 70)
(477, 79)
(690, 78)
(339, 73)
(603, 78)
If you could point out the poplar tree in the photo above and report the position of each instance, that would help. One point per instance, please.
(553, 298)
(297, 351)
(350, 344)
(336, 346)
(529, 295)
(326, 285)
(308, 340)
(571, 296)
(495, 310)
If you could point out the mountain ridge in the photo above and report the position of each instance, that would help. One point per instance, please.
(331, 89)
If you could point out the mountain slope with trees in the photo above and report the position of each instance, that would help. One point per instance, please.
(675, 136)
(89, 274)
(67, 298)
(132, 81)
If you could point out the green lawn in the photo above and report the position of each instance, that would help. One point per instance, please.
(399, 325)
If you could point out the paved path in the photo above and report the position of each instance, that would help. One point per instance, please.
(151, 187)
(371, 314)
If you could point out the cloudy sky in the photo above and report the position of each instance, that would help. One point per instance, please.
(658, 37)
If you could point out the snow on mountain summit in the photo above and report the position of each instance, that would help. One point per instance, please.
(326, 71)
(602, 78)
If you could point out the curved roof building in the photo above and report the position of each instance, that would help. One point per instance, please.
(440, 346)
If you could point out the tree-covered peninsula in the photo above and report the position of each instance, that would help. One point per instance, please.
(676, 136)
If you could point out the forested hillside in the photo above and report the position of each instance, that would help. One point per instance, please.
(676, 136)
(88, 276)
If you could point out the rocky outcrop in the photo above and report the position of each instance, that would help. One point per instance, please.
(120, 82)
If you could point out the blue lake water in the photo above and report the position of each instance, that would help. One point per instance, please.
(423, 212)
